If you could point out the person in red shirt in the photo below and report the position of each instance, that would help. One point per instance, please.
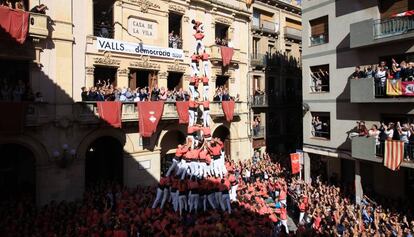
(206, 113)
(194, 196)
(193, 157)
(194, 64)
(215, 151)
(199, 36)
(193, 86)
(179, 153)
(197, 25)
(205, 59)
(224, 188)
(283, 218)
(192, 111)
(302, 209)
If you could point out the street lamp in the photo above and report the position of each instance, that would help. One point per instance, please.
(64, 157)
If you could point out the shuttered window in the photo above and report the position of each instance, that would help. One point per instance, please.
(319, 30)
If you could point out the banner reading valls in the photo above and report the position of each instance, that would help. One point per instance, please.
(140, 49)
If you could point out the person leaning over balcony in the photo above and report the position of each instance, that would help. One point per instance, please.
(375, 133)
(369, 72)
(7, 3)
(41, 9)
(404, 133)
(403, 71)
(19, 5)
(395, 69)
(358, 74)
(381, 77)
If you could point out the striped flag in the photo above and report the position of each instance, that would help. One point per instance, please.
(393, 154)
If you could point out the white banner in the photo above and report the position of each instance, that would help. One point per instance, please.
(139, 49)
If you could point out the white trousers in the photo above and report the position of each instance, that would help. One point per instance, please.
(206, 71)
(301, 215)
(193, 202)
(194, 69)
(182, 203)
(158, 198)
(233, 193)
(165, 197)
(211, 200)
(174, 197)
(199, 46)
(173, 167)
(205, 92)
(206, 118)
(219, 198)
(191, 117)
(284, 222)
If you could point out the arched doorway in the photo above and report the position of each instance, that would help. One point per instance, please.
(17, 173)
(104, 161)
(169, 144)
(223, 133)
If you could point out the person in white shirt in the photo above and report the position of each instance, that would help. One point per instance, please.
(404, 133)
(374, 132)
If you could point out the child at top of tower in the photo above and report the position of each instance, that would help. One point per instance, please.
(198, 25)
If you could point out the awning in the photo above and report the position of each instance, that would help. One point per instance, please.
(14, 23)
(407, 13)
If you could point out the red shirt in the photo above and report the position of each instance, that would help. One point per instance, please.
(205, 56)
(302, 207)
(282, 195)
(192, 129)
(206, 104)
(193, 184)
(224, 186)
(194, 58)
(199, 36)
(203, 155)
(193, 79)
(192, 104)
(214, 150)
(163, 181)
(205, 80)
(193, 154)
(206, 131)
(283, 214)
(181, 151)
(182, 186)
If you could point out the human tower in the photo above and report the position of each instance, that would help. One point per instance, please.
(198, 177)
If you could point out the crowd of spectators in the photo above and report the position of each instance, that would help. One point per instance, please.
(175, 41)
(14, 4)
(223, 42)
(106, 91)
(388, 131)
(18, 91)
(329, 210)
(382, 71)
(320, 127)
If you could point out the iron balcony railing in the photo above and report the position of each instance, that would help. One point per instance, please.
(267, 26)
(258, 59)
(319, 39)
(258, 131)
(393, 26)
(259, 100)
(321, 134)
(104, 31)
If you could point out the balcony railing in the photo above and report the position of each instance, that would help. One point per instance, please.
(258, 132)
(259, 100)
(258, 59)
(87, 112)
(266, 26)
(393, 26)
(38, 25)
(104, 31)
(319, 39)
(293, 33)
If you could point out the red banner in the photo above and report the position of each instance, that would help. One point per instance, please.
(228, 109)
(182, 110)
(294, 159)
(110, 112)
(15, 23)
(226, 55)
(12, 121)
(407, 88)
(149, 113)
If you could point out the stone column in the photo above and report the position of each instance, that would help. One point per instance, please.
(122, 79)
(306, 167)
(162, 79)
(89, 77)
(359, 193)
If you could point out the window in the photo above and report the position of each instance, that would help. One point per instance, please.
(319, 31)
(222, 34)
(175, 39)
(142, 78)
(293, 23)
(174, 81)
(319, 78)
(256, 19)
(104, 76)
(321, 125)
(222, 81)
(270, 48)
(103, 19)
(256, 47)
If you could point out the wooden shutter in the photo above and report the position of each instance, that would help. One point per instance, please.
(319, 26)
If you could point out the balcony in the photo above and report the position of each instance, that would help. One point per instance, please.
(38, 26)
(215, 54)
(365, 90)
(37, 114)
(258, 132)
(87, 112)
(375, 32)
(265, 26)
(103, 31)
(258, 101)
(258, 60)
(293, 33)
